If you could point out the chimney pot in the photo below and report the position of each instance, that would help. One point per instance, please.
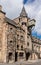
(0, 7)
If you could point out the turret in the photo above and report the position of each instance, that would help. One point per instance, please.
(27, 24)
(23, 17)
(23, 21)
(31, 24)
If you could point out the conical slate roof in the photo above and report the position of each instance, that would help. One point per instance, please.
(23, 12)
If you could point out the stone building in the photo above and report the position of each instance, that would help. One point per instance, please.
(16, 41)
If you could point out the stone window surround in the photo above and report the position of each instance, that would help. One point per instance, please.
(27, 43)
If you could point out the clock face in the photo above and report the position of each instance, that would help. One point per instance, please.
(33, 22)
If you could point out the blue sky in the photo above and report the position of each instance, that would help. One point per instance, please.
(32, 7)
(28, 1)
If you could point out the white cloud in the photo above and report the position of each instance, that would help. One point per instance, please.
(13, 9)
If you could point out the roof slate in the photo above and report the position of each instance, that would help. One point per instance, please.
(12, 23)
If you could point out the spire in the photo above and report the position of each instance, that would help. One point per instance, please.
(23, 12)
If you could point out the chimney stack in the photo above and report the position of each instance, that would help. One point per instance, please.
(0, 7)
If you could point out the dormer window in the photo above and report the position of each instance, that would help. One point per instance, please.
(24, 23)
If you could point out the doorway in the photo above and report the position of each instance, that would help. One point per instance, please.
(27, 55)
(10, 57)
(16, 54)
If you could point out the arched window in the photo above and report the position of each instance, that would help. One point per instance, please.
(22, 47)
(17, 46)
(24, 23)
